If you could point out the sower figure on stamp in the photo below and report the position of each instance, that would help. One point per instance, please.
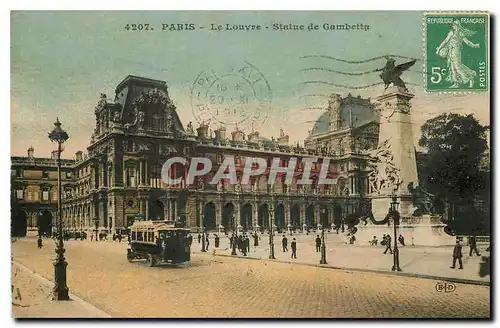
(293, 246)
(318, 243)
(284, 243)
(457, 254)
(473, 246)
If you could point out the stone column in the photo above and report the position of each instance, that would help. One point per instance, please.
(147, 181)
(317, 214)
(140, 182)
(287, 213)
(330, 215)
(141, 206)
(256, 214)
(302, 213)
(176, 209)
(218, 214)
(237, 214)
(166, 209)
(147, 208)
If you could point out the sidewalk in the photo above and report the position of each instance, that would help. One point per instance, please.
(430, 262)
(31, 298)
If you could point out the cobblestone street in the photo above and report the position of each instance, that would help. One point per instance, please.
(225, 287)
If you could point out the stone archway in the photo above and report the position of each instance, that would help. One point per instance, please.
(264, 215)
(279, 216)
(44, 223)
(157, 210)
(323, 216)
(209, 216)
(310, 219)
(295, 215)
(246, 216)
(337, 215)
(228, 216)
(19, 223)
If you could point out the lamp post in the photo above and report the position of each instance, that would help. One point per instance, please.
(271, 232)
(395, 216)
(203, 233)
(323, 246)
(235, 236)
(61, 291)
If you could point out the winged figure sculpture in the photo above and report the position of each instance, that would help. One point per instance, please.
(392, 73)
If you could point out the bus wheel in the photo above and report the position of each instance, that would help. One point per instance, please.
(151, 260)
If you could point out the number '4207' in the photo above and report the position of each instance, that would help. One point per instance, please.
(138, 27)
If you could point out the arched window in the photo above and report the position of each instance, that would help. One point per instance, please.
(155, 176)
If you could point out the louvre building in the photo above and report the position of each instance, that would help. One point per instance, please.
(118, 179)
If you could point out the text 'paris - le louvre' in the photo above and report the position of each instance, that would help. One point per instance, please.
(120, 176)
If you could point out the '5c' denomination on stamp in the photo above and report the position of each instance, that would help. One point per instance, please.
(456, 51)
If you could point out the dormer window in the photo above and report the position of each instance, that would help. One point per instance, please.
(45, 174)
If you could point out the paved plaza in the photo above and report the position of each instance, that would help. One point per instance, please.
(216, 286)
(419, 260)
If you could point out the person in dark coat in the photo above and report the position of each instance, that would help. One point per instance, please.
(247, 243)
(473, 246)
(284, 243)
(387, 244)
(401, 240)
(256, 239)
(217, 241)
(457, 254)
(207, 242)
(293, 246)
(318, 243)
(231, 241)
(199, 237)
(40, 243)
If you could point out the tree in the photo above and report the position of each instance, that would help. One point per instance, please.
(455, 147)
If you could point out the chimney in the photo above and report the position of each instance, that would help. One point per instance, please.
(238, 135)
(79, 156)
(334, 111)
(203, 131)
(31, 152)
(220, 133)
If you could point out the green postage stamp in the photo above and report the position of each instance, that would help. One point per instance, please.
(456, 52)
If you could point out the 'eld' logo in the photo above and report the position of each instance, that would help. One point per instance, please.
(446, 287)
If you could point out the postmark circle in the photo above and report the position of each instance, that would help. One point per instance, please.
(240, 98)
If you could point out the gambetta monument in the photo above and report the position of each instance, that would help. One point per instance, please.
(393, 171)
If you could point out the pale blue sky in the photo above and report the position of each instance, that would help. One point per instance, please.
(62, 61)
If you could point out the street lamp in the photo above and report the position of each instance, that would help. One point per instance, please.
(271, 232)
(323, 246)
(235, 236)
(395, 217)
(203, 233)
(61, 291)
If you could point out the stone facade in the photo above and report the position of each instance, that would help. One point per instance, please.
(139, 130)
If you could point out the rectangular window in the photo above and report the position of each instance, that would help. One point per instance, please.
(19, 173)
(45, 195)
(20, 194)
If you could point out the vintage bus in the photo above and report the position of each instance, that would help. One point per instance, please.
(159, 242)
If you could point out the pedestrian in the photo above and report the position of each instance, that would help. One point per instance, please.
(473, 246)
(374, 241)
(231, 241)
(255, 239)
(293, 246)
(199, 238)
(40, 242)
(284, 243)
(318, 243)
(120, 238)
(91, 237)
(457, 254)
(387, 244)
(217, 241)
(207, 241)
(247, 243)
(401, 240)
